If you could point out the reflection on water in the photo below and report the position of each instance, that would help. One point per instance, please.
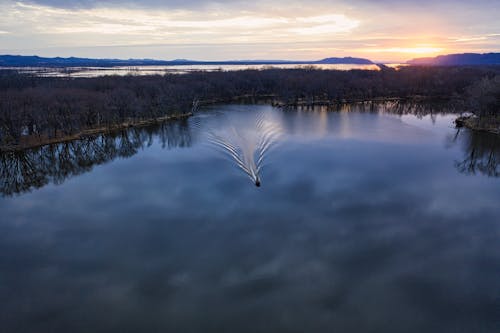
(481, 153)
(34, 168)
(75, 72)
(364, 224)
(246, 136)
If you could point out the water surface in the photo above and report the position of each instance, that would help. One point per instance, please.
(365, 221)
(173, 69)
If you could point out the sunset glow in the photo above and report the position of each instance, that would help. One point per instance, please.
(407, 52)
(412, 50)
(209, 30)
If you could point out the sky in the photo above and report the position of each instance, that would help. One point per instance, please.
(383, 30)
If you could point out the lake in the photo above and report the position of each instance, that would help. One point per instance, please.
(364, 220)
(87, 72)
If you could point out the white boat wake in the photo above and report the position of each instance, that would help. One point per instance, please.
(248, 143)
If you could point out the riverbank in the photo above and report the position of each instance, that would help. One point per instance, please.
(35, 141)
(49, 108)
(311, 102)
(490, 124)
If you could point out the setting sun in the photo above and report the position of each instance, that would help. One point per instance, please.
(402, 52)
(222, 30)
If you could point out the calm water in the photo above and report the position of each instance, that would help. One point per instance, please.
(174, 69)
(364, 222)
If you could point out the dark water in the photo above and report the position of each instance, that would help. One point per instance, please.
(364, 222)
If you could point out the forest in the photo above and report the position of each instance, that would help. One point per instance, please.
(36, 109)
(29, 169)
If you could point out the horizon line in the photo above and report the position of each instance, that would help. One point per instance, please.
(262, 61)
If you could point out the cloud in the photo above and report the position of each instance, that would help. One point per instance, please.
(175, 26)
(86, 4)
(271, 29)
(204, 3)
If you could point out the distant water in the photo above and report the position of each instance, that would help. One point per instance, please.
(365, 221)
(161, 70)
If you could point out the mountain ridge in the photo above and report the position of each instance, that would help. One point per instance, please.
(458, 59)
(36, 61)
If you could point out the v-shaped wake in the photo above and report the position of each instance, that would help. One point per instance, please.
(248, 145)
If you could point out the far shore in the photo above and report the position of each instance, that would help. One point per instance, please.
(38, 141)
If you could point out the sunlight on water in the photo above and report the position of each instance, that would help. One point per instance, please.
(88, 72)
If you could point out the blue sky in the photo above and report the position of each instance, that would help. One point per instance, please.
(275, 29)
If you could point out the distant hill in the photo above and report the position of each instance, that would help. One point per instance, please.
(36, 61)
(346, 60)
(459, 59)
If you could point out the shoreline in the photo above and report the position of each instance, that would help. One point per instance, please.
(307, 102)
(92, 132)
(489, 124)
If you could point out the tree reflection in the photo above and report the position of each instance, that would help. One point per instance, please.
(418, 108)
(481, 153)
(396, 106)
(31, 169)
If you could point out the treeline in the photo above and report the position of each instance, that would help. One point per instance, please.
(40, 108)
(23, 171)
